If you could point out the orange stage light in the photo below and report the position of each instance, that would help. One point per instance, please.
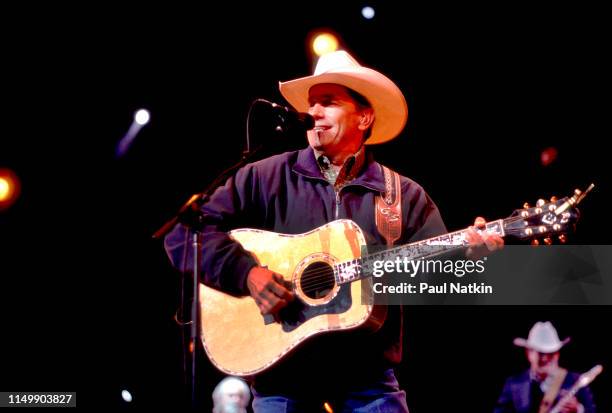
(9, 188)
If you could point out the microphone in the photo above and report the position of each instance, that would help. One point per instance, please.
(290, 118)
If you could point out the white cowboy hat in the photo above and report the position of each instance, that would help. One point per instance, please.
(543, 338)
(387, 100)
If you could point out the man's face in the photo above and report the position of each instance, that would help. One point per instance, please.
(339, 122)
(543, 364)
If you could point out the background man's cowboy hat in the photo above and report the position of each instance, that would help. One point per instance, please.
(387, 100)
(542, 338)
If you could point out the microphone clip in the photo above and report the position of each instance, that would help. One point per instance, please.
(289, 119)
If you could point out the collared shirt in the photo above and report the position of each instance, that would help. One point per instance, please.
(339, 176)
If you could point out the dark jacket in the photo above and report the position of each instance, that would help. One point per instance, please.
(516, 395)
(287, 193)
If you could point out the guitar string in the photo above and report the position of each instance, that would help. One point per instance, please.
(396, 249)
(312, 275)
(324, 274)
(316, 278)
(323, 277)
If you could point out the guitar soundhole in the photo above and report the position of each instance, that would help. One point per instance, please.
(317, 280)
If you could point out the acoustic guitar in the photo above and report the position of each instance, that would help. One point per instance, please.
(326, 270)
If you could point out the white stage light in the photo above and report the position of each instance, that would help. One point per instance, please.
(368, 12)
(126, 395)
(142, 117)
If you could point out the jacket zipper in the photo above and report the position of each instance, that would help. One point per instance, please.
(337, 203)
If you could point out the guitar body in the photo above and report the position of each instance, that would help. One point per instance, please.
(240, 341)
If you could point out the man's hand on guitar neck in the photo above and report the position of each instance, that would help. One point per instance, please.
(484, 243)
(268, 289)
(572, 406)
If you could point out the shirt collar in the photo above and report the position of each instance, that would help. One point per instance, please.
(369, 175)
(340, 176)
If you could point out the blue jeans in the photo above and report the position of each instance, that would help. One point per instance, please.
(381, 396)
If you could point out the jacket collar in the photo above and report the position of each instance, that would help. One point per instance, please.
(370, 176)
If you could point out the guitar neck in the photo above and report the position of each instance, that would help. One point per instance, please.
(565, 399)
(361, 268)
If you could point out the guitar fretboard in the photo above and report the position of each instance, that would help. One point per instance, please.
(359, 268)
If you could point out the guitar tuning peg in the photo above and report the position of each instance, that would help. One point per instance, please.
(526, 205)
(553, 199)
(562, 239)
(540, 202)
(547, 241)
(535, 242)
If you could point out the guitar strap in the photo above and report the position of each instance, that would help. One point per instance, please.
(389, 207)
(388, 213)
(553, 390)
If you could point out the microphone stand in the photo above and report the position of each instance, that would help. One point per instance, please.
(190, 215)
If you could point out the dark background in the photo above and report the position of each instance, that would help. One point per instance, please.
(88, 299)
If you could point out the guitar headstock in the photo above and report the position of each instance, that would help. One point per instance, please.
(546, 220)
(586, 378)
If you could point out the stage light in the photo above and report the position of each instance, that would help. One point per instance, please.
(5, 189)
(324, 43)
(548, 156)
(126, 396)
(368, 12)
(142, 117)
(9, 188)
